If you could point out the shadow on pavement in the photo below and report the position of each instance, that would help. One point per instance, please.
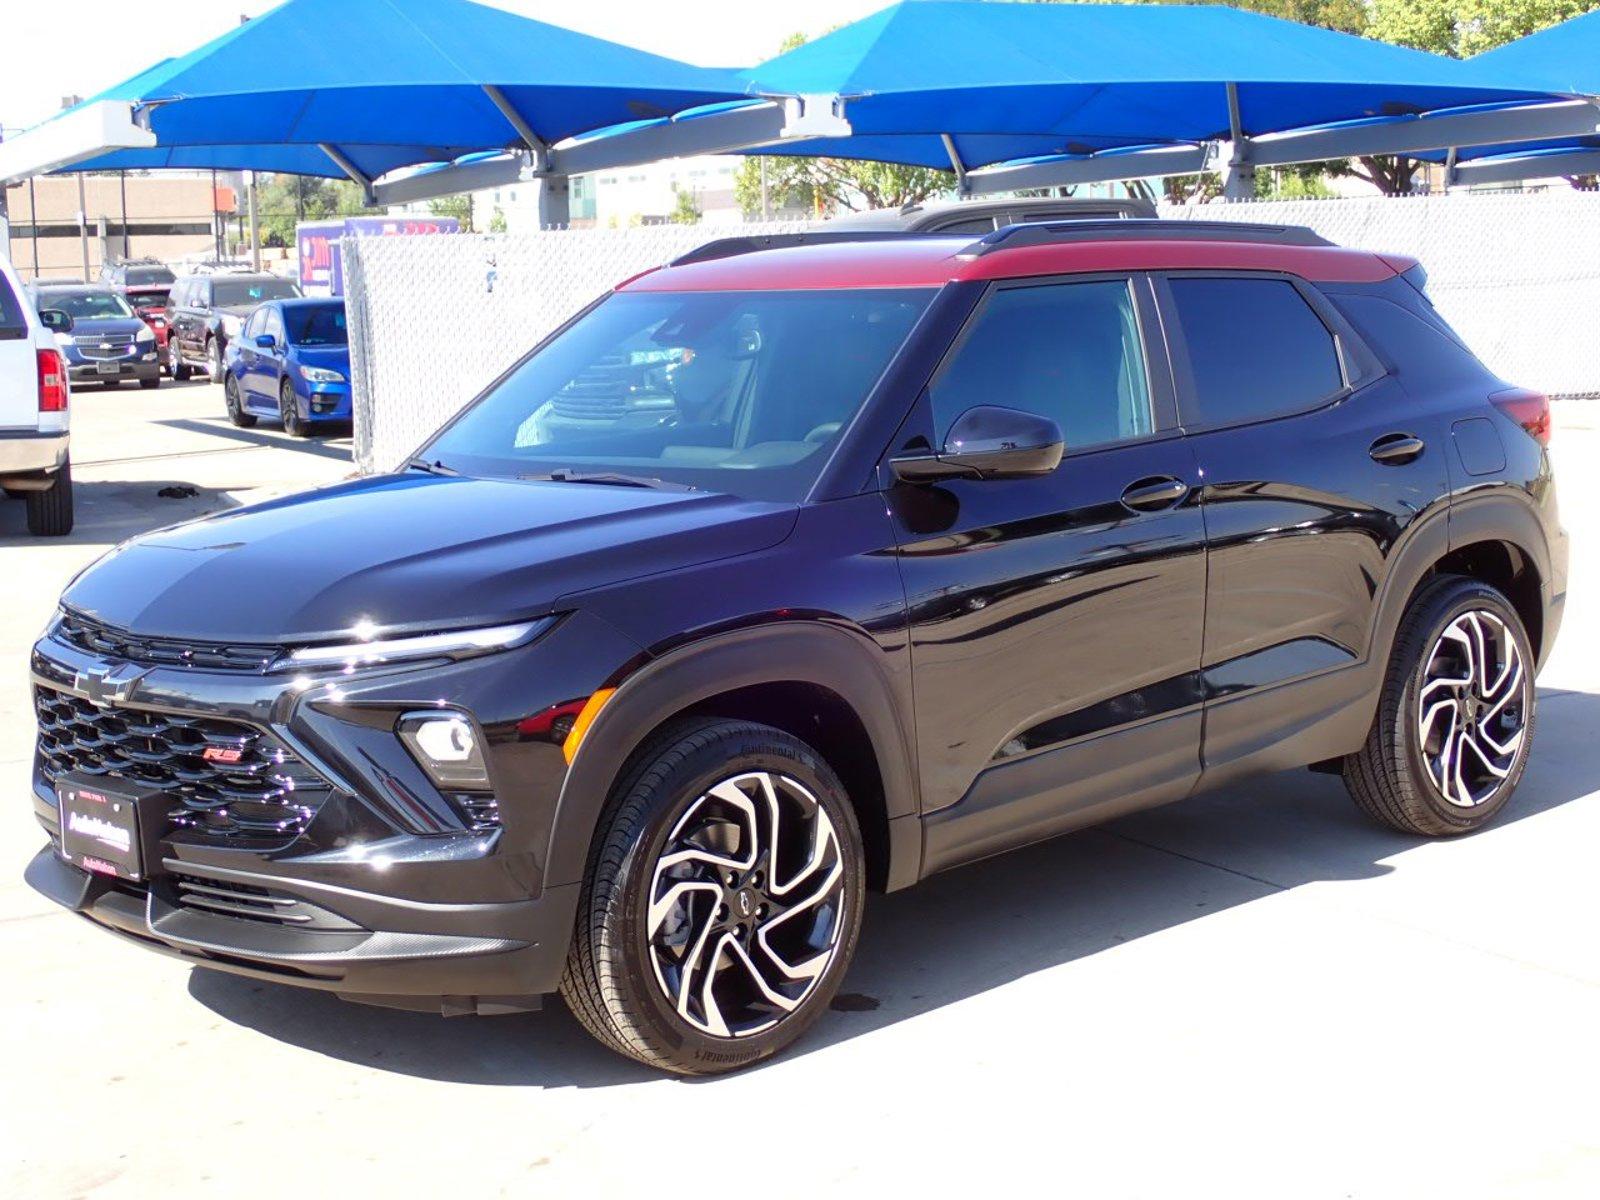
(107, 511)
(963, 933)
(321, 443)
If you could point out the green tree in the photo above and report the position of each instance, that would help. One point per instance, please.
(826, 185)
(497, 222)
(458, 206)
(283, 201)
(686, 211)
(1462, 28)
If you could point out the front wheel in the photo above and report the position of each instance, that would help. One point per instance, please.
(1455, 720)
(214, 359)
(289, 412)
(176, 367)
(153, 382)
(722, 901)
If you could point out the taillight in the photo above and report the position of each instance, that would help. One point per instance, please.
(52, 381)
(1529, 409)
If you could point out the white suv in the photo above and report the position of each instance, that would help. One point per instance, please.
(33, 409)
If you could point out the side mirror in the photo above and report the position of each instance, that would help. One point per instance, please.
(55, 320)
(988, 443)
(266, 341)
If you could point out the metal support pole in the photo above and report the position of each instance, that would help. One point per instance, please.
(554, 207)
(1239, 181)
(122, 179)
(955, 162)
(83, 226)
(766, 195)
(1450, 168)
(515, 119)
(33, 225)
(255, 227)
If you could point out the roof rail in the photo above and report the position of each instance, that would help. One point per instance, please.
(1133, 229)
(731, 246)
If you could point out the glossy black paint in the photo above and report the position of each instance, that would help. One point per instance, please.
(985, 661)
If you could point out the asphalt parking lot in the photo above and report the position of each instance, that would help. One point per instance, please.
(1254, 994)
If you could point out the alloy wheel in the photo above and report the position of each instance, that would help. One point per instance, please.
(746, 904)
(1472, 708)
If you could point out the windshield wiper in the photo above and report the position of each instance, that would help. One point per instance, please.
(615, 478)
(432, 468)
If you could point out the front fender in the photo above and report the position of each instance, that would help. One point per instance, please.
(812, 652)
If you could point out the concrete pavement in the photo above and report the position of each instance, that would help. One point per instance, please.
(1254, 994)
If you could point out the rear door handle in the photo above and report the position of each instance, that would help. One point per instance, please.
(1154, 494)
(1396, 449)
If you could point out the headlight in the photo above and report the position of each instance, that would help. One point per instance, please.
(370, 648)
(321, 375)
(144, 335)
(446, 745)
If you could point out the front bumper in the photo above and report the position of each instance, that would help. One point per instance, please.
(126, 368)
(326, 401)
(387, 894)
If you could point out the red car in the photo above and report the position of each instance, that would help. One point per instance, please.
(150, 303)
(145, 282)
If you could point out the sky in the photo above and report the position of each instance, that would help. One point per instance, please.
(46, 61)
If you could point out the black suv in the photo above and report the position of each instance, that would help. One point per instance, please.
(205, 311)
(933, 547)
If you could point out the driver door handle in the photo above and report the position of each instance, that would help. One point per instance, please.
(1154, 494)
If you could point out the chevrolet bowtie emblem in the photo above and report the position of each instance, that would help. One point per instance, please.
(114, 684)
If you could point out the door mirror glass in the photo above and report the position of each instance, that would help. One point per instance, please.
(989, 443)
(55, 320)
(266, 341)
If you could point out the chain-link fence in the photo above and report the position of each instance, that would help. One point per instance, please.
(434, 319)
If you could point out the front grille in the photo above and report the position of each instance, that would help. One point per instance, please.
(226, 778)
(78, 630)
(242, 900)
(116, 345)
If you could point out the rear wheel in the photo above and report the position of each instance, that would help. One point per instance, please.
(235, 404)
(289, 411)
(50, 511)
(722, 901)
(176, 367)
(1455, 721)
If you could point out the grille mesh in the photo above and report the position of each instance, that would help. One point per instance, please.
(227, 778)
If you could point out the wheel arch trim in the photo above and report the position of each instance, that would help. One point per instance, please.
(810, 652)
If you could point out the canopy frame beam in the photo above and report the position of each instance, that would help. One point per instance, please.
(955, 162)
(1152, 162)
(357, 176)
(1513, 169)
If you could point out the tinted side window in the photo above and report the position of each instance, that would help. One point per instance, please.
(256, 324)
(1068, 351)
(13, 322)
(1256, 349)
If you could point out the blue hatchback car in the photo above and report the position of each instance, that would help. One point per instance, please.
(290, 361)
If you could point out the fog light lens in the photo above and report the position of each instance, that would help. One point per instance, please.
(447, 746)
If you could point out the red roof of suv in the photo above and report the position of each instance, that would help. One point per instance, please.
(909, 261)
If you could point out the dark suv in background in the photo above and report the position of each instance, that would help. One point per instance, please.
(934, 547)
(204, 312)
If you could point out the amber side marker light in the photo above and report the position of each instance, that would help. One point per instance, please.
(591, 710)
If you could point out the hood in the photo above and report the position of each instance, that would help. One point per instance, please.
(410, 551)
(90, 326)
(334, 358)
(237, 310)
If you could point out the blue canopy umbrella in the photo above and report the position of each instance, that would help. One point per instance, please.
(363, 87)
(1000, 81)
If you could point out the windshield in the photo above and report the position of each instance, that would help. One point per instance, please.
(737, 392)
(144, 276)
(86, 306)
(233, 293)
(315, 324)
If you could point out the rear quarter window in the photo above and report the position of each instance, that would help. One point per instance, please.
(1256, 350)
(13, 319)
(1414, 345)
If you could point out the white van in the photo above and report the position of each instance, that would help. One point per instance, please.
(33, 409)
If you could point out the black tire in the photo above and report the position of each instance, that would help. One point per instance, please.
(614, 981)
(1395, 777)
(213, 359)
(152, 383)
(235, 404)
(50, 511)
(176, 367)
(289, 412)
